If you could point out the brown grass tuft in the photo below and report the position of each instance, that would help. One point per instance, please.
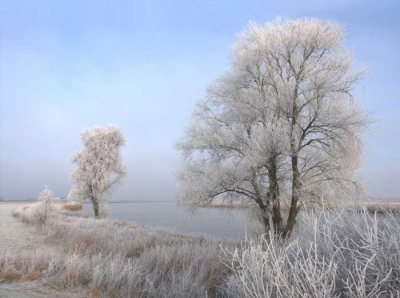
(33, 274)
(96, 292)
(10, 274)
(72, 206)
(83, 241)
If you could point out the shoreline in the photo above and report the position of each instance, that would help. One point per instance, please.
(78, 254)
(75, 256)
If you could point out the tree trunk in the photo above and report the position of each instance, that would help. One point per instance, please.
(291, 221)
(275, 197)
(266, 221)
(265, 216)
(267, 224)
(95, 202)
(264, 206)
(96, 208)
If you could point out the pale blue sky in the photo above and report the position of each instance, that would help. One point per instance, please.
(67, 65)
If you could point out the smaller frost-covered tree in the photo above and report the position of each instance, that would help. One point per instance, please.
(98, 165)
(45, 204)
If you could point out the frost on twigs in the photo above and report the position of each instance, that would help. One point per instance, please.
(281, 126)
(98, 166)
(344, 253)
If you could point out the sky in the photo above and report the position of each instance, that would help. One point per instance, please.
(66, 65)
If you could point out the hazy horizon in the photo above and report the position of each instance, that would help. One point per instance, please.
(142, 65)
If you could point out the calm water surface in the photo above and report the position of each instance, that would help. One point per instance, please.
(220, 222)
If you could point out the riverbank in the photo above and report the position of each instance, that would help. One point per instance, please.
(105, 258)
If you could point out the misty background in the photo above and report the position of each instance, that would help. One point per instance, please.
(142, 65)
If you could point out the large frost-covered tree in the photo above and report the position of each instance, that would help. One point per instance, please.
(98, 165)
(282, 126)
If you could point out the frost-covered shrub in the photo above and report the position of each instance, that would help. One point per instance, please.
(44, 205)
(344, 253)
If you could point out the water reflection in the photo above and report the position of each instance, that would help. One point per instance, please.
(221, 222)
